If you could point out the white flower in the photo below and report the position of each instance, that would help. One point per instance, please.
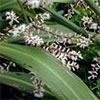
(39, 86)
(93, 74)
(6, 66)
(79, 55)
(33, 3)
(98, 53)
(87, 20)
(96, 67)
(11, 16)
(22, 28)
(41, 17)
(72, 65)
(2, 70)
(62, 57)
(97, 60)
(46, 3)
(37, 3)
(14, 31)
(63, 60)
(84, 42)
(17, 31)
(38, 93)
(70, 12)
(45, 16)
(93, 26)
(34, 40)
(74, 55)
(95, 70)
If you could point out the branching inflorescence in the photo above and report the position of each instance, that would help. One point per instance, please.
(95, 69)
(63, 44)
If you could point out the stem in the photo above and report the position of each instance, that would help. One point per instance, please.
(99, 2)
(25, 17)
(50, 32)
(94, 88)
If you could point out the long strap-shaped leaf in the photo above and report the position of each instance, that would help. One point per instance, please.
(65, 1)
(4, 4)
(62, 82)
(67, 23)
(92, 4)
(18, 80)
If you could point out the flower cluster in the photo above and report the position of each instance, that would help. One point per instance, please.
(60, 47)
(66, 56)
(17, 31)
(37, 3)
(65, 47)
(79, 40)
(82, 3)
(70, 12)
(88, 22)
(33, 40)
(29, 30)
(3, 36)
(39, 86)
(5, 66)
(74, 55)
(12, 17)
(84, 42)
(42, 17)
(38, 24)
(35, 27)
(95, 69)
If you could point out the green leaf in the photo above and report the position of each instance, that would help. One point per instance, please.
(93, 6)
(18, 11)
(4, 4)
(98, 83)
(97, 38)
(63, 83)
(18, 80)
(67, 23)
(59, 28)
(65, 1)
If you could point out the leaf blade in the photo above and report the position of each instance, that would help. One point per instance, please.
(67, 23)
(18, 80)
(93, 6)
(57, 78)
